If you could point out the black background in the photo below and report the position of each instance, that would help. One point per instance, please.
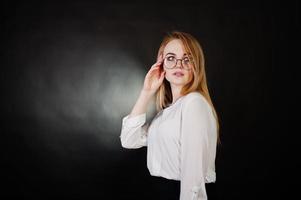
(250, 49)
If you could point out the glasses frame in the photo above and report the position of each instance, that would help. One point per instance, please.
(177, 62)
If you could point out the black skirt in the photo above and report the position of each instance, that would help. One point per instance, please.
(167, 189)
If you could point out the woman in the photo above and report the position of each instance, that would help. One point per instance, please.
(182, 138)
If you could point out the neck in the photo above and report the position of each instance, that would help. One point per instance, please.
(175, 92)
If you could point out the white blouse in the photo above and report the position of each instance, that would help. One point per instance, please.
(181, 143)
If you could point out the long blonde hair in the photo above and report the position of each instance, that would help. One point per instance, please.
(198, 81)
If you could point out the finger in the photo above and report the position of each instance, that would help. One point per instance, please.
(153, 70)
(156, 64)
(162, 76)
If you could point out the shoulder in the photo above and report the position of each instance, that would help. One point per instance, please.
(195, 96)
(195, 100)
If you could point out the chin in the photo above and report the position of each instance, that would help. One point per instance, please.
(176, 81)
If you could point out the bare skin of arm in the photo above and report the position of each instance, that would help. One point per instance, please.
(152, 82)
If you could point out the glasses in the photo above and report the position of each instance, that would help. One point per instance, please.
(171, 61)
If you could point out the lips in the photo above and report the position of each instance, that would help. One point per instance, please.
(178, 73)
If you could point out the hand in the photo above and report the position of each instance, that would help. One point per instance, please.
(154, 77)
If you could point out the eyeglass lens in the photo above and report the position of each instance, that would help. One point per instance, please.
(171, 62)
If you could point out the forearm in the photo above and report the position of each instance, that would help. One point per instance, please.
(141, 103)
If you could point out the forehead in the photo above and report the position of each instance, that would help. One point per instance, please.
(174, 46)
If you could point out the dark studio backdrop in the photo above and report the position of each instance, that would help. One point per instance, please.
(71, 70)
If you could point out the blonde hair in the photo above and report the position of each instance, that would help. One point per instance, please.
(198, 81)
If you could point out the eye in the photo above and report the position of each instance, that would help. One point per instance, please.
(186, 60)
(170, 58)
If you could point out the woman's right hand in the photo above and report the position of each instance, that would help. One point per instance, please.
(154, 77)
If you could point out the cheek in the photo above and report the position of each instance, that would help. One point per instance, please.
(168, 74)
(189, 76)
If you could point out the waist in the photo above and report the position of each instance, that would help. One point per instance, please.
(165, 181)
(173, 187)
(164, 188)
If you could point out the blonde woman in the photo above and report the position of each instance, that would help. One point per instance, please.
(182, 138)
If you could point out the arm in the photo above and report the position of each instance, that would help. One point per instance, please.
(141, 103)
(134, 130)
(194, 149)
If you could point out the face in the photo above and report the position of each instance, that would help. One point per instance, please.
(174, 50)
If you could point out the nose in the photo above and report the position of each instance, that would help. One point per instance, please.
(179, 62)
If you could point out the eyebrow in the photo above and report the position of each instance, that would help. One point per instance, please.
(185, 54)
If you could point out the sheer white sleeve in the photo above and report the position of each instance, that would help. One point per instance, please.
(194, 149)
(134, 131)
